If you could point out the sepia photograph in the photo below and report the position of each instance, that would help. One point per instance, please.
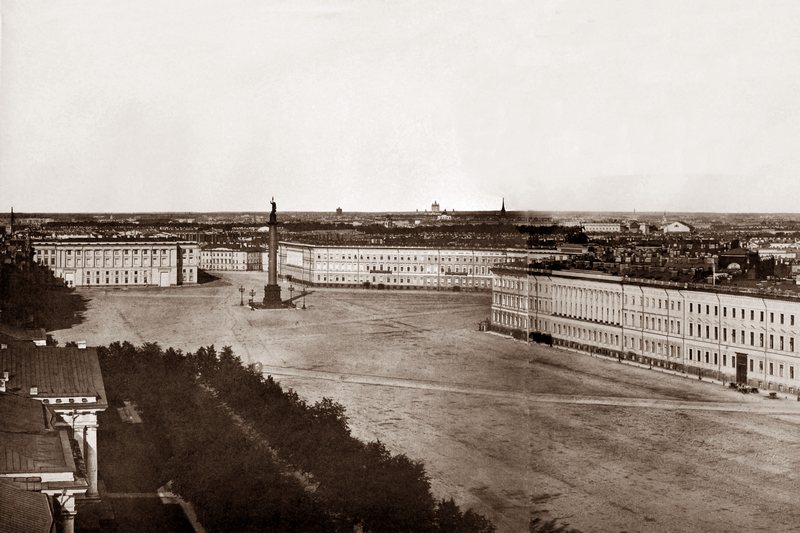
(365, 266)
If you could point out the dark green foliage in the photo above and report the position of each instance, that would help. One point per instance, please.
(234, 485)
(539, 525)
(31, 297)
(214, 465)
(553, 234)
(765, 267)
(449, 518)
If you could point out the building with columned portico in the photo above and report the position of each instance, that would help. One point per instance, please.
(119, 261)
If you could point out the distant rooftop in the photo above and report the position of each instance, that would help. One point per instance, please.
(763, 289)
(121, 240)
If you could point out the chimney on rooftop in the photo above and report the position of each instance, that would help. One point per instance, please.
(5, 375)
(81, 345)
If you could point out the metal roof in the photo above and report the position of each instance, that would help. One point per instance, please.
(55, 371)
(23, 511)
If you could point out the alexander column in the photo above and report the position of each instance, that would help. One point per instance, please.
(272, 292)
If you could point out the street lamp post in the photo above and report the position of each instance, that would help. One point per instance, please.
(304, 301)
(241, 295)
(252, 295)
(291, 292)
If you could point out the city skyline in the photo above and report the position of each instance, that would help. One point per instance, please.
(565, 106)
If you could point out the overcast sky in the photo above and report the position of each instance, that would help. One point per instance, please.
(153, 105)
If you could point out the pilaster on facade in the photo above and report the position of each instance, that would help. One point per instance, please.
(724, 334)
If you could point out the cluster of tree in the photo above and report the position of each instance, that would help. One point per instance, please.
(542, 525)
(350, 484)
(768, 267)
(31, 296)
(553, 234)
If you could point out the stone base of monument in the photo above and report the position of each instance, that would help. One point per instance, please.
(272, 298)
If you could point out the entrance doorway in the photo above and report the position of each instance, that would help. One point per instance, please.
(741, 368)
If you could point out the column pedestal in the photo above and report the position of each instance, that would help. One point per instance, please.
(272, 297)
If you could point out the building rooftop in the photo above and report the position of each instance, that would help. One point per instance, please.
(29, 453)
(231, 248)
(112, 240)
(56, 372)
(426, 248)
(24, 511)
(27, 446)
(21, 415)
(759, 289)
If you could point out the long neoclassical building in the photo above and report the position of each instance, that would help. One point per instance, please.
(398, 267)
(120, 261)
(733, 334)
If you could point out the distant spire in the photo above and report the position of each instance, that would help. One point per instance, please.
(503, 208)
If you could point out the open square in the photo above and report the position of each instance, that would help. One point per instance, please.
(507, 429)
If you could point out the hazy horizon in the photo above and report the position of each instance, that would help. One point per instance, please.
(669, 214)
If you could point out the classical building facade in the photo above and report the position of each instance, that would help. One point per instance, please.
(230, 258)
(397, 267)
(104, 262)
(740, 335)
(601, 227)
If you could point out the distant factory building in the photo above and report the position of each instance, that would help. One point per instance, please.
(230, 258)
(676, 227)
(119, 261)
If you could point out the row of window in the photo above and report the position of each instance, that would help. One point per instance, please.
(403, 268)
(409, 281)
(673, 304)
(351, 257)
(600, 337)
(698, 356)
(116, 277)
(743, 315)
(124, 251)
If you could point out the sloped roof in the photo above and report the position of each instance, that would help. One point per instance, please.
(21, 415)
(29, 453)
(54, 371)
(27, 446)
(23, 511)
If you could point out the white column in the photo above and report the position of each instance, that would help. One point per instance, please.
(67, 504)
(79, 434)
(90, 456)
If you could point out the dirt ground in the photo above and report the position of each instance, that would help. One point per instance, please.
(507, 429)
